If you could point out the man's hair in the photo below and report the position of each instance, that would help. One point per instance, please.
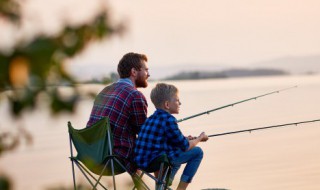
(129, 61)
(162, 92)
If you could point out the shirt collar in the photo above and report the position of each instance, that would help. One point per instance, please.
(161, 111)
(126, 80)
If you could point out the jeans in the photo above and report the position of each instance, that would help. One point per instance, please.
(192, 158)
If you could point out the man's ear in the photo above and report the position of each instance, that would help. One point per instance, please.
(133, 72)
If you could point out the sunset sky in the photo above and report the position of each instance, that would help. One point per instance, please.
(206, 32)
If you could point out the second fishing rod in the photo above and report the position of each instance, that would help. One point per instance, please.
(264, 128)
(235, 103)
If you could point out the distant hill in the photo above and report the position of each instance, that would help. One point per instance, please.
(292, 64)
(279, 66)
(98, 71)
(166, 71)
(229, 73)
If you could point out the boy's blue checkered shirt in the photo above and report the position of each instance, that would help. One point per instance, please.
(158, 135)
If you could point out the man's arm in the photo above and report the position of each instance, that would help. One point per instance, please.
(139, 112)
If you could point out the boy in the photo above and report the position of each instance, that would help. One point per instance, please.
(160, 135)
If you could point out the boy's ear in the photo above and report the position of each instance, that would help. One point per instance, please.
(166, 104)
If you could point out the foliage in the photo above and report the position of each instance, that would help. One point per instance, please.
(33, 69)
(5, 183)
(9, 9)
(37, 66)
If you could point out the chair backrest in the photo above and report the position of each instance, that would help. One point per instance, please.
(94, 146)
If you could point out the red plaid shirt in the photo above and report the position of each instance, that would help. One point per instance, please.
(126, 108)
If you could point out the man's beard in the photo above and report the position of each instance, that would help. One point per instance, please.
(141, 82)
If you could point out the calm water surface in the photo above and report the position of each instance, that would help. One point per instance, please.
(282, 158)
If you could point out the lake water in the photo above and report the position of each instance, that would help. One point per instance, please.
(281, 158)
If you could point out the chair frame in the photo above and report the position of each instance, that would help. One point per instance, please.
(161, 181)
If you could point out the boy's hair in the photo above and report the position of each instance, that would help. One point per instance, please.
(129, 61)
(162, 92)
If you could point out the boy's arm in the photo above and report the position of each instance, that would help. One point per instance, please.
(201, 138)
(174, 136)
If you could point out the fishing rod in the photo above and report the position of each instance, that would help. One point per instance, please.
(235, 103)
(262, 128)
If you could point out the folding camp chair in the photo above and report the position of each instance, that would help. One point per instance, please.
(94, 146)
(162, 166)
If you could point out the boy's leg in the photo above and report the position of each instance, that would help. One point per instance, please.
(174, 170)
(193, 159)
(182, 185)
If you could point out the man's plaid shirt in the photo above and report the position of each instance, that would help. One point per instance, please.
(159, 135)
(126, 108)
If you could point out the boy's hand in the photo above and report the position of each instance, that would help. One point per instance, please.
(203, 137)
(191, 137)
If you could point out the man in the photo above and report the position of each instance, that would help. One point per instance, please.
(124, 105)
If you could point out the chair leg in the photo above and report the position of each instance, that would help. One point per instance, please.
(163, 178)
(166, 177)
(159, 181)
(94, 182)
(84, 171)
(101, 174)
(139, 184)
(73, 175)
(72, 164)
(113, 176)
(111, 162)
